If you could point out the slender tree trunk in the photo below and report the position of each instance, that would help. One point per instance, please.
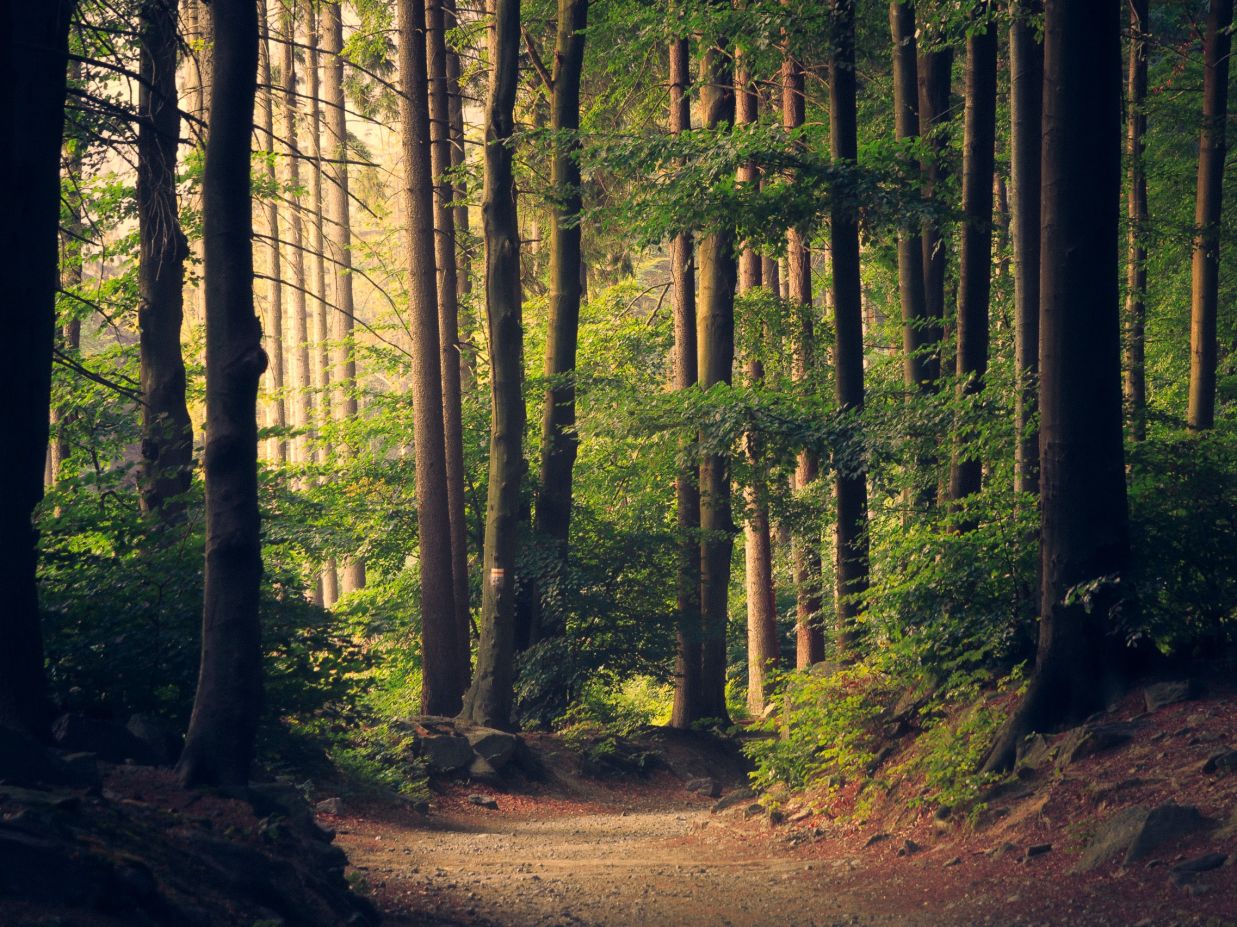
(72, 233)
(489, 699)
(1136, 231)
(715, 347)
(343, 357)
(685, 710)
(935, 75)
(442, 682)
(33, 56)
(1026, 84)
(198, 38)
(446, 257)
(975, 257)
(558, 421)
(1083, 516)
(298, 398)
(852, 485)
(220, 744)
(1206, 265)
(276, 411)
(455, 101)
(915, 320)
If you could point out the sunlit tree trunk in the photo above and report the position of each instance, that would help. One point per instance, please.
(935, 68)
(222, 729)
(488, 700)
(298, 396)
(273, 395)
(1206, 263)
(1136, 216)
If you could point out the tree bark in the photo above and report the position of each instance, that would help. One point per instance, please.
(442, 682)
(488, 700)
(1136, 231)
(935, 111)
(1026, 85)
(275, 408)
(220, 744)
(1206, 261)
(715, 347)
(446, 258)
(298, 397)
(685, 710)
(852, 486)
(1083, 516)
(33, 58)
(975, 255)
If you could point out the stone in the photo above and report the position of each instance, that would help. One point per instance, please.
(480, 770)
(445, 753)
(332, 806)
(1034, 753)
(111, 742)
(495, 747)
(704, 786)
(953, 861)
(1038, 849)
(1092, 739)
(909, 848)
(875, 839)
(164, 741)
(484, 801)
(1001, 849)
(1223, 762)
(1136, 833)
(24, 761)
(731, 799)
(754, 809)
(1185, 872)
(1169, 693)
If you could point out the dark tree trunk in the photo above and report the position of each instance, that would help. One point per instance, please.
(442, 682)
(975, 256)
(446, 257)
(852, 484)
(33, 65)
(1136, 231)
(220, 744)
(935, 76)
(805, 548)
(1083, 517)
(489, 699)
(685, 710)
(1206, 266)
(459, 194)
(715, 350)
(1026, 86)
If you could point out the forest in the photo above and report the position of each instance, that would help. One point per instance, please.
(813, 421)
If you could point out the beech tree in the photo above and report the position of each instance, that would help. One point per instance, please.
(1136, 219)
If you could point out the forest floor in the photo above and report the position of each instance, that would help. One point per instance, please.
(633, 851)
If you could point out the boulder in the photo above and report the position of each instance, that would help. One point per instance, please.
(445, 753)
(1137, 833)
(704, 786)
(484, 801)
(108, 740)
(1187, 871)
(331, 806)
(1091, 739)
(731, 799)
(495, 747)
(1034, 753)
(1223, 762)
(24, 761)
(1169, 693)
(164, 741)
(480, 770)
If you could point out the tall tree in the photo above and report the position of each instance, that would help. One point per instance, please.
(715, 352)
(852, 485)
(338, 218)
(975, 255)
(1136, 222)
(805, 546)
(442, 683)
(1026, 84)
(552, 522)
(686, 705)
(1217, 43)
(222, 729)
(446, 255)
(1083, 516)
(276, 409)
(167, 435)
(488, 700)
(935, 67)
(34, 41)
(297, 385)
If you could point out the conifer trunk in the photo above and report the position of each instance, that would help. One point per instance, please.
(298, 398)
(273, 397)
(1136, 215)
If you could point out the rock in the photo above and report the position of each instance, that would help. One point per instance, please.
(284, 801)
(1038, 849)
(445, 753)
(1169, 693)
(1034, 753)
(1001, 849)
(484, 801)
(909, 848)
(704, 786)
(495, 747)
(881, 755)
(164, 741)
(730, 799)
(1091, 739)
(953, 861)
(108, 740)
(81, 770)
(1136, 833)
(24, 761)
(1185, 872)
(1224, 762)
(875, 839)
(332, 806)
(480, 770)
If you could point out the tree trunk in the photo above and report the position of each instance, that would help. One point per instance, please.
(1136, 231)
(852, 485)
(352, 574)
(458, 156)
(1083, 517)
(558, 421)
(685, 710)
(935, 74)
(442, 682)
(975, 256)
(805, 550)
(220, 744)
(1206, 263)
(448, 320)
(33, 55)
(72, 234)
(1026, 86)
(715, 347)
(276, 411)
(297, 398)
(489, 699)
